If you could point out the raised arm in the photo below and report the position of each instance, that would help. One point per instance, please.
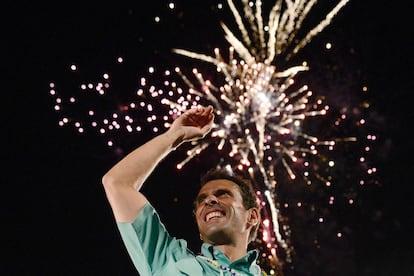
(124, 180)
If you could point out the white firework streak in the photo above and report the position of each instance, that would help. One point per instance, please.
(259, 111)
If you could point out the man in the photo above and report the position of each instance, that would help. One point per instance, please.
(226, 211)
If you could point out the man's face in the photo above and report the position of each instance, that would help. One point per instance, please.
(220, 214)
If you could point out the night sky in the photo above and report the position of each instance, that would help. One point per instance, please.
(56, 220)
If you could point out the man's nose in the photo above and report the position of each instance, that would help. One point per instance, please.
(211, 200)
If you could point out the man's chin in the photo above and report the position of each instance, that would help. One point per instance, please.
(217, 236)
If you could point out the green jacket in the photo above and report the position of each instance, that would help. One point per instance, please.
(154, 252)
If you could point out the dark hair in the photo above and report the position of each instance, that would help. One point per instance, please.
(246, 190)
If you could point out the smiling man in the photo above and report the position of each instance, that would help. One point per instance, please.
(226, 210)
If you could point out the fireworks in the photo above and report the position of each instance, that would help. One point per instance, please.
(262, 109)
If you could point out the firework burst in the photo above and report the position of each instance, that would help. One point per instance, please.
(260, 109)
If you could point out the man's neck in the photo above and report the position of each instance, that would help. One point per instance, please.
(232, 252)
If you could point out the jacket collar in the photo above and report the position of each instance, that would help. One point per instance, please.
(245, 264)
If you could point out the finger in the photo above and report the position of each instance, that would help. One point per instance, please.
(207, 111)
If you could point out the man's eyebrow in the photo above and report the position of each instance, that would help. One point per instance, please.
(222, 191)
(216, 192)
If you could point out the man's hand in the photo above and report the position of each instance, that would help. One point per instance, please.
(193, 124)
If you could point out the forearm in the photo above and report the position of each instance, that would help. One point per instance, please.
(135, 168)
(124, 180)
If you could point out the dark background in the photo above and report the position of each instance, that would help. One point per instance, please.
(55, 217)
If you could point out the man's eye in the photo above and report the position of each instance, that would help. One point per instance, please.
(222, 193)
(200, 200)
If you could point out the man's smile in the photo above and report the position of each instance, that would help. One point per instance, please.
(214, 214)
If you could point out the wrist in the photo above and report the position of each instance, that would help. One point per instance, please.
(175, 137)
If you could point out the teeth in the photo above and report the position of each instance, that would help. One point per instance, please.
(213, 214)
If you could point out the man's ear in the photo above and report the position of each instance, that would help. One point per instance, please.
(254, 216)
